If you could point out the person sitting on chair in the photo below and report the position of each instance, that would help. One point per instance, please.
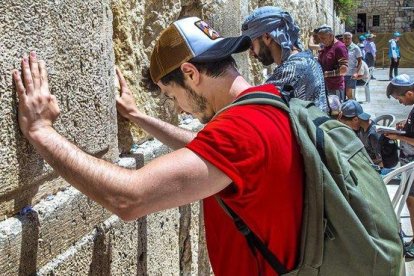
(363, 74)
(354, 116)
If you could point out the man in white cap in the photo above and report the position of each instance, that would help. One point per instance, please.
(276, 40)
(233, 158)
(401, 88)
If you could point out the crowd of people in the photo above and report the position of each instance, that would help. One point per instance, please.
(233, 156)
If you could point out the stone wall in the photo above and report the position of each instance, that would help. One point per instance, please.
(393, 15)
(48, 227)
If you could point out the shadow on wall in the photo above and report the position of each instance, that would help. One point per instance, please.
(30, 239)
(101, 255)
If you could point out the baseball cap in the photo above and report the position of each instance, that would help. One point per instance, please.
(191, 39)
(396, 34)
(352, 108)
(402, 80)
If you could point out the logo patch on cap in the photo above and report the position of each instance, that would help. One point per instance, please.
(205, 28)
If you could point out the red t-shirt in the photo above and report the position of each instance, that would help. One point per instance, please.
(329, 59)
(253, 145)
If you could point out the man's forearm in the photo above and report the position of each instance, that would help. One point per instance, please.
(170, 135)
(103, 182)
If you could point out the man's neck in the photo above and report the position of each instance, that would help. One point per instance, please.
(224, 89)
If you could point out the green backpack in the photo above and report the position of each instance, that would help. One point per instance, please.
(349, 226)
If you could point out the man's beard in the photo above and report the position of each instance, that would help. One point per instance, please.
(198, 104)
(264, 56)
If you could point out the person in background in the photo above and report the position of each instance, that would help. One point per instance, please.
(354, 64)
(314, 43)
(334, 61)
(276, 40)
(340, 37)
(394, 54)
(363, 74)
(370, 52)
(353, 115)
(361, 45)
(401, 88)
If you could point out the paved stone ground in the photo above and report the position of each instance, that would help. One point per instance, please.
(379, 105)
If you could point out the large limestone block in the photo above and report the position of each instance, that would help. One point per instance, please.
(162, 243)
(75, 39)
(109, 249)
(32, 240)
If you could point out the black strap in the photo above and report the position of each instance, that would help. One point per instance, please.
(320, 138)
(253, 240)
(261, 95)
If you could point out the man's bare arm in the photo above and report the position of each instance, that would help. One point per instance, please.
(170, 135)
(169, 181)
(175, 179)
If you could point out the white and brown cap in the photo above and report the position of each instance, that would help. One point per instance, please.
(191, 39)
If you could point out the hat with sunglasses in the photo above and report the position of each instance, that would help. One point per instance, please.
(191, 39)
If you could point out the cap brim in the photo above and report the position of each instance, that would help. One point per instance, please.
(364, 116)
(224, 48)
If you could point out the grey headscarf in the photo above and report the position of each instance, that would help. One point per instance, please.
(278, 23)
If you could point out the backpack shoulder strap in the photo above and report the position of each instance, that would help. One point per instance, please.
(253, 240)
(258, 97)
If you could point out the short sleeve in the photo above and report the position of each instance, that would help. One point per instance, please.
(341, 53)
(232, 144)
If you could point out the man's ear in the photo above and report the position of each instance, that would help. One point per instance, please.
(191, 73)
(410, 94)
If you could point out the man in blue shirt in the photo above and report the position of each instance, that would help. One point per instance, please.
(275, 39)
(394, 54)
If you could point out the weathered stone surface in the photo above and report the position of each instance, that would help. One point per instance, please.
(75, 39)
(31, 240)
(162, 243)
(109, 249)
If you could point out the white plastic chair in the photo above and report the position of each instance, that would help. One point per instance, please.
(385, 120)
(407, 178)
(365, 86)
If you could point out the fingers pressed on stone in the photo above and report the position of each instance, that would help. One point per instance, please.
(43, 75)
(21, 91)
(34, 68)
(122, 81)
(27, 75)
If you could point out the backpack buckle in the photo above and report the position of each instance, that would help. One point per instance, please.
(242, 227)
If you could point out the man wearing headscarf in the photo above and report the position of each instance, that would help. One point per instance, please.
(275, 39)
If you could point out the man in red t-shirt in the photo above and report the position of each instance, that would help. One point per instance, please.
(334, 61)
(247, 155)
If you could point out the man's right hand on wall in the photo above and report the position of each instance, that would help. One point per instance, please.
(38, 108)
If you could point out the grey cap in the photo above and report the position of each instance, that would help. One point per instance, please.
(352, 108)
